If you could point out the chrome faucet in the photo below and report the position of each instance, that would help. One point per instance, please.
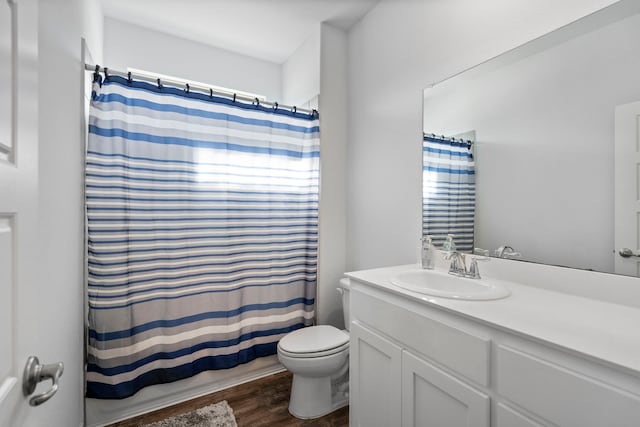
(458, 266)
(506, 251)
(503, 250)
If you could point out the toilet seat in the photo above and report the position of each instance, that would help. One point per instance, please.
(314, 354)
(314, 341)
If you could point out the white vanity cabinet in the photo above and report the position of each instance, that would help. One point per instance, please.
(413, 364)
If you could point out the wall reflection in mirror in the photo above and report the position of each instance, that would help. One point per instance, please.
(534, 155)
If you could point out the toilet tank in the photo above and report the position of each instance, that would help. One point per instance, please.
(345, 287)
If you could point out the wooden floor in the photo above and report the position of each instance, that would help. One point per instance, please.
(262, 402)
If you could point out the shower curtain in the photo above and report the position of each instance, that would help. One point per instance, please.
(448, 191)
(202, 232)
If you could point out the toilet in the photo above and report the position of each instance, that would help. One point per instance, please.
(318, 358)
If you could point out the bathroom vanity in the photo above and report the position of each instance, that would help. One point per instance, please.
(537, 357)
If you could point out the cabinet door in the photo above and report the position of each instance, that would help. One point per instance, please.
(375, 375)
(509, 417)
(433, 398)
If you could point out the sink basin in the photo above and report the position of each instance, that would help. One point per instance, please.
(442, 284)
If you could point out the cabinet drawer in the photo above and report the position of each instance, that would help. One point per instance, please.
(563, 396)
(458, 350)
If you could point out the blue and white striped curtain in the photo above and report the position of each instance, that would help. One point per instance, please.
(202, 233)
(448, 191)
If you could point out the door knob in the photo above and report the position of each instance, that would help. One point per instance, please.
(34, 373)
(627, 253)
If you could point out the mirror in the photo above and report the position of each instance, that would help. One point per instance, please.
(552, 128)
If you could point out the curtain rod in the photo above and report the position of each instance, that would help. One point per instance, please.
(204, 89)
(448, 138)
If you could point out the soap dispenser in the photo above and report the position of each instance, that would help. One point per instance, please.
(428, 253)
(448, 245)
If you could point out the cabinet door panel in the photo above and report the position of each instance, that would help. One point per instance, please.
(509, 417)
(375, 375)
(433, 398)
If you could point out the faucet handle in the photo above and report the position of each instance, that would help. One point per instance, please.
(474, 271)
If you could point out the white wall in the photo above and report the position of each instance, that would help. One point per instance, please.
(61, 25)
(127, 45)
(395, 51)
(333, 163)
(301, 72)
(544, 144)
(93, 25)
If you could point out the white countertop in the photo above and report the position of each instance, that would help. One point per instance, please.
(602, 330)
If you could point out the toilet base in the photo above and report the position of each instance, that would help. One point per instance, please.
(312, 397)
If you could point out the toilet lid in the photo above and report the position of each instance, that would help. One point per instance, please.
(313, 339)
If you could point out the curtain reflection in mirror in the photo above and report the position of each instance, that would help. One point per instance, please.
(449, 193)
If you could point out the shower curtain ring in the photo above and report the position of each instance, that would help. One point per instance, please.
(275, 106)
(129, 79)
(187, 87)
(234, 97)
(159, 83)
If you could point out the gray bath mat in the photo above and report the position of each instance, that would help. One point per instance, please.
(216, 415)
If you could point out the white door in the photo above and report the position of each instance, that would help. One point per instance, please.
(19, 303)
(374, 379)
(627, 189)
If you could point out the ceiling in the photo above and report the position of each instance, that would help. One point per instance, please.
(267, 29)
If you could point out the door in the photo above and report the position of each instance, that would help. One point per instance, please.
(19, 303)
(374, 379)
(627, 189)
(433, 398)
